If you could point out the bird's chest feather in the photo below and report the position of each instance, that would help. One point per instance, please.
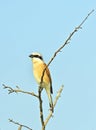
(38, 71)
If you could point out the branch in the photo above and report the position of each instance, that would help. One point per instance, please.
(54, 104)
(10, 120)
(69, 38)
(44, 123)
(86, 18)
(11, 90)
(54, 55)
(66, 42)
(41, 108)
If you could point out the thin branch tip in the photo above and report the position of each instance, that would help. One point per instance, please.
(17, 123)
(4, 87)
(92, 11)
(18, 90)
(10, 120)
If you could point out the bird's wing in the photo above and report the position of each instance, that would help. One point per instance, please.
(48, 74)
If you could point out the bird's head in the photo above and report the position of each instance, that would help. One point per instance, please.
(36, 56)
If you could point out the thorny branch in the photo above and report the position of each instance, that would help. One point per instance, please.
(11, 90)
(14, 122)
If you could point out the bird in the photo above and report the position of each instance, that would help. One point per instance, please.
(38, 70)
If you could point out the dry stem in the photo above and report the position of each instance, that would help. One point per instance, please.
(11, 90)
(67, 41)
(41, 108)
(14, 122)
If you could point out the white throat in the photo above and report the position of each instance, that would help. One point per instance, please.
(36, 60)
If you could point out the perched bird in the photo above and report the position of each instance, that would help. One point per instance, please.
(38, 69)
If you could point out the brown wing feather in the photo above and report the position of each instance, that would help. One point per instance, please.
(48, 74)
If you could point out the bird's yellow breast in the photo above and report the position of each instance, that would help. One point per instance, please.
(38, 69)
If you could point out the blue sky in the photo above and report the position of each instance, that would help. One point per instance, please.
(43, 26)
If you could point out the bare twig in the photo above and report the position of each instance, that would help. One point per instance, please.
(54, 55)
(14, 122)
(55, 101)
(11, 90)
(86, 18)
(67, 41)
(41, 108)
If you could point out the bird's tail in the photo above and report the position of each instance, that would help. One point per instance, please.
(50, 99)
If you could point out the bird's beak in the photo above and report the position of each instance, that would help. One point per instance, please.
(31, 56)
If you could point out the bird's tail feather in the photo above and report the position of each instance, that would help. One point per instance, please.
(50, 99)
(51, 103)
